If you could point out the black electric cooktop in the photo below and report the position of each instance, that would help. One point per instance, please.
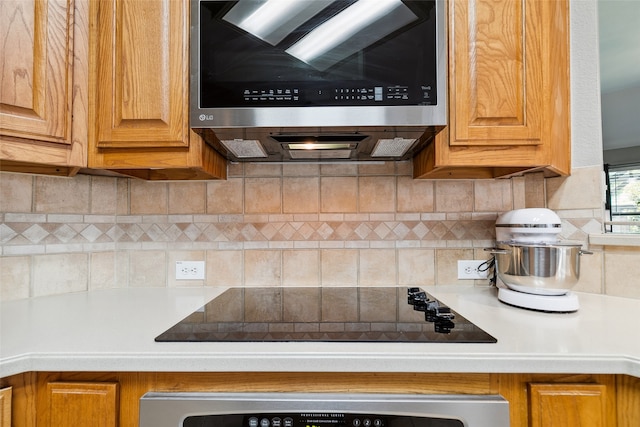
(350, 314)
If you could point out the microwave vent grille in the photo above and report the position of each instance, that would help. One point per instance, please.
(395, 147)
(245, 148)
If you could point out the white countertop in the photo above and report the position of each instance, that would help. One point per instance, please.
(114, 330)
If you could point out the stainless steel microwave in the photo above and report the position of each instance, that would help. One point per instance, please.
(347, 65)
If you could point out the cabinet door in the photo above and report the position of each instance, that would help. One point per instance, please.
(5, 407)
(138, 93)
(508, 92)
(82, 404)
(584, 405)
(36, 71)
(140, 65)
(497, 72)
(43, 85)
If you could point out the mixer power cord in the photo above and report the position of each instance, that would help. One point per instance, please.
(489, 266)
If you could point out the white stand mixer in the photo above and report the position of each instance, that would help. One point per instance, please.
(534, 269)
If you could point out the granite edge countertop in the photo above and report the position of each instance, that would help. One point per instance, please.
(114, 330)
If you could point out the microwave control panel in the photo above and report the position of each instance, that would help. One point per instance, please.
(299, 95)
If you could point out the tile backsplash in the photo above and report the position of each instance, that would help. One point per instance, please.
(290, 225)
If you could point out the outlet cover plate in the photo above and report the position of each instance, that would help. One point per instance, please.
(468, 270)
(189, 270)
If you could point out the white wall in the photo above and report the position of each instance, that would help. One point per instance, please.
(586, 122)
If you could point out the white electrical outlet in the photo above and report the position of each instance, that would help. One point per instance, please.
(468, 269)
(189, 270)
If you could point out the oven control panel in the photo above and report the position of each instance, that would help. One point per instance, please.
(316, 419)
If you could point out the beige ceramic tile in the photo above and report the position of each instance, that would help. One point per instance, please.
(148, 269)
(339, 267)
(377, 267)
(338, 194)
(581, 190)
(148, 198)
(225, 197)
(103, 270)
(262, 195)
(339, 170)
(16, 192)
(15, 277)
(262, 169)
(591, 273)
(235, 170)
(224, 268)
(622, 271)
(60, 273)
(174, 256)
(300, 195)
(386, 168)
(293, 169)
(534, 190)
(447, 265)
(377, 194)
(492, 195)
(187, 197)
(416, 267)
(122, 269)
(300, 268)
(404, 168)
(415, 195)
(104, 195)
(454, 196)
(62, 195)
(262, 267)
(122, 198)
(518, 190)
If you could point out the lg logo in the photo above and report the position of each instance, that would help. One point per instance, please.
(204, 117)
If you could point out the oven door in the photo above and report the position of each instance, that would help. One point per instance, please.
(321, 410)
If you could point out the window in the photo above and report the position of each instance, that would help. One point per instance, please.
(623, 198)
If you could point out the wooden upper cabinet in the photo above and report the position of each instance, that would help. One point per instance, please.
(508, 91)
(141, 74)
(496, 93)
(43, 80)
(139, 92)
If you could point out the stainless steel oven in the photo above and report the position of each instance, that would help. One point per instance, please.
(321, 410)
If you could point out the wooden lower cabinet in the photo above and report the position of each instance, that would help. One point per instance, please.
(5, 407)
(571, 404)
(112, 399)
(80, 404)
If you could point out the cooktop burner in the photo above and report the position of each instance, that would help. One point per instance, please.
(326, 314)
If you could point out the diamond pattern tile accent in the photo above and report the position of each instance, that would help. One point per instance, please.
(363, 230)
(382, 230)
(91, 233)
(35, 233)
(148, 229)
(325, 231)
(6, 233)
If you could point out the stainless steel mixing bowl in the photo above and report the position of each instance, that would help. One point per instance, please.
(544, 269)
